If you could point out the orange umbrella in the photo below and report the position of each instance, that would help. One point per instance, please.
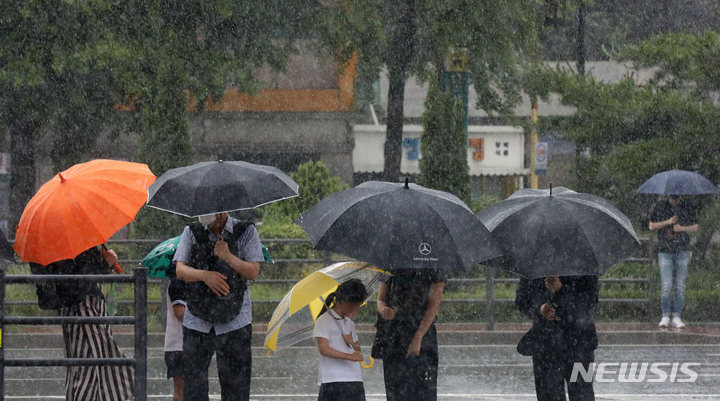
(80, 208)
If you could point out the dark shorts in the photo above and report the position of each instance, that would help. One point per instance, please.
(346, 391)
(175, 362)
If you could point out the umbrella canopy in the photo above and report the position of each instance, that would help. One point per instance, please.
(559, 232)
(80, 208)
(396, 226)
(294, 318)
(222, 186)
(158, 260)
(677, 182)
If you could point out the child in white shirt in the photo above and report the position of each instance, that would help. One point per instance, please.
(339, 371)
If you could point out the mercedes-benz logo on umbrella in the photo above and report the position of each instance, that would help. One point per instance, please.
(425, 249)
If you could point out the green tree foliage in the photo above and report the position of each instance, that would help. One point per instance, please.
(635, 131)
(315, 183)
(614, 24)
(193, 50)
(444, 154)
(197, 48)
(684, 61)
(412, 37)
(56, 77)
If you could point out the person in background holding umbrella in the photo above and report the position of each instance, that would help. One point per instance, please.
(562, 335)
(84, 299)
(216, 258)
(674, 220)
(339, 373)
(409, 302)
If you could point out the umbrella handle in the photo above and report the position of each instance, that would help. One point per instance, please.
(369, 364)
(116, 266)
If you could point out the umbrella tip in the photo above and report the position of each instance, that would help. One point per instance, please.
(407, 183)
(62, 179)
(551, 189)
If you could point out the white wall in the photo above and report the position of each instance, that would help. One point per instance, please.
(503, 149)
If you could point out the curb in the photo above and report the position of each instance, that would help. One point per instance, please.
(448, 335)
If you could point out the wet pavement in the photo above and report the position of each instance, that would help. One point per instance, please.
(474, 365)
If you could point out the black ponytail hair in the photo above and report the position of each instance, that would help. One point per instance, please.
(352, 290)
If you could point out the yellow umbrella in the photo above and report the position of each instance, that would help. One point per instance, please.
(294, 318)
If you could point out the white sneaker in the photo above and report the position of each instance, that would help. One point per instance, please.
(665, 321)
(676, 322)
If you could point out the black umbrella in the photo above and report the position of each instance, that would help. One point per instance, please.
(396, 226)
(677, 182)
(222, 186)
(559, 232)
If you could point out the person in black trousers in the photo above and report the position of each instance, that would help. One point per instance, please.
(217, 257)
(562, 335)
(408, 304)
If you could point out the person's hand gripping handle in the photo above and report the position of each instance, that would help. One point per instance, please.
(111, 257)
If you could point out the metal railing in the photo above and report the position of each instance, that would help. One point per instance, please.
(646, 255)
(489, 301)
(139, 320)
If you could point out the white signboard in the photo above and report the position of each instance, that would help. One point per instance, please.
(492, 150)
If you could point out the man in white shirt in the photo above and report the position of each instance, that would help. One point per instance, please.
(228, 253)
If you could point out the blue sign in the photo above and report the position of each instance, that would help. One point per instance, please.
(413, 148)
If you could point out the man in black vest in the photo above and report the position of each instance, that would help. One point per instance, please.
(216, 257)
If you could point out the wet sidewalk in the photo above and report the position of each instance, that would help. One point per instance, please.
(475, 364)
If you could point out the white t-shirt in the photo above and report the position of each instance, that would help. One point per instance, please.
(331, 370)
(173, 328)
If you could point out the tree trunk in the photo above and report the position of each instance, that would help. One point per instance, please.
(22, 167)
(581, 51)
(399, 53)
(393, 139)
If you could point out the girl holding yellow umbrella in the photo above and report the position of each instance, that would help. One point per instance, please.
(321, 306)
(339, 373)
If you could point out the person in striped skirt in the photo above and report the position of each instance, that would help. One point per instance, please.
(85, 299)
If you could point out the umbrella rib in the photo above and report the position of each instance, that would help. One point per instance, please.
(606, 211)
(322, 205)
(36, 216)
(585, 233)
(121, 212)
(84, 212)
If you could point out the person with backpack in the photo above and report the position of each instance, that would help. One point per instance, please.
(85, 299)
(216, 257)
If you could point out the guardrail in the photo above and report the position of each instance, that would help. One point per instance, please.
(139, 320)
